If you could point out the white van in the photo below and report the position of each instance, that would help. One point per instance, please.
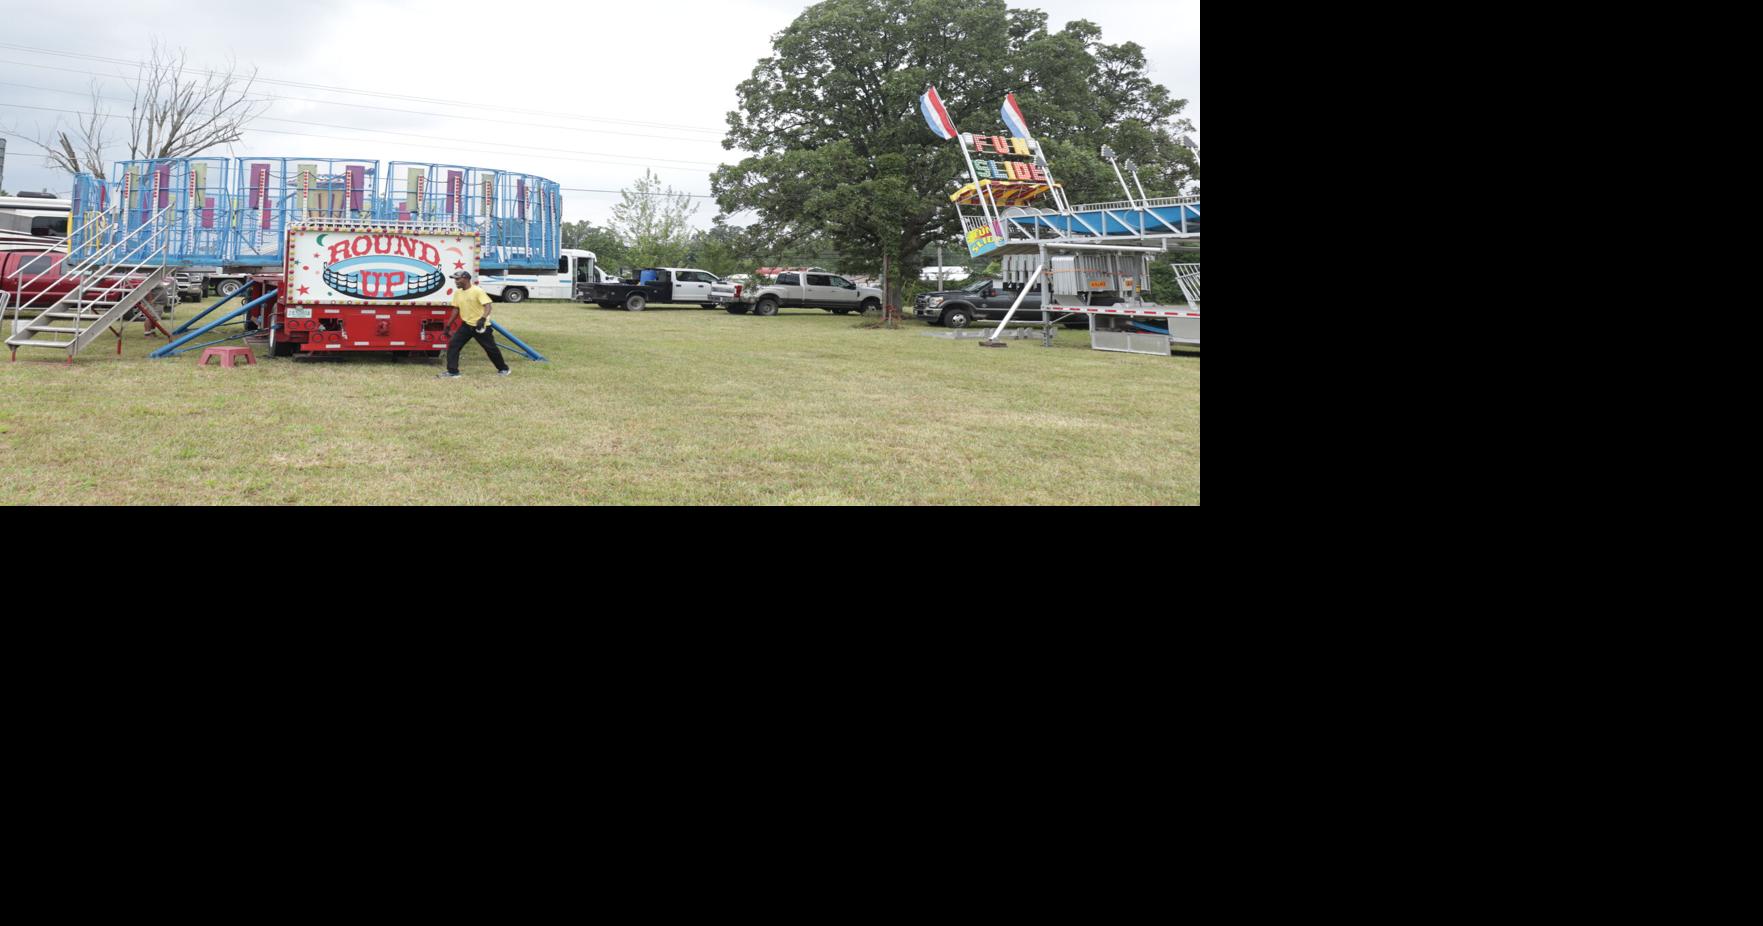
(572, 267)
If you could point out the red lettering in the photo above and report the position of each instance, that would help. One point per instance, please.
(340, 251)
(394, 281)
(382, 244)
(430, 254)
(406, 247)
(1036, 173)
(370, 283)
(362, 245)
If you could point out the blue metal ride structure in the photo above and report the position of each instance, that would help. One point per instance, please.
(517, 216)
(91, 198)
(189, 196)
(274, 193)
(1172, 217)
(236, 213)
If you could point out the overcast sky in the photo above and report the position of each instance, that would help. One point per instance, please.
(586, 95)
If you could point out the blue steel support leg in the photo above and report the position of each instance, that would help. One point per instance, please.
(518, 345)
(230, 337)
(171, 348)
(224, 300)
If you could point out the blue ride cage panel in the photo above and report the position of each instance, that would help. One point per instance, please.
(272, 193)
(515, 215)
(236, 213)
(90, 225)
(188, 195)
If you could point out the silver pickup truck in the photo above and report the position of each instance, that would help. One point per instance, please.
(809, 291)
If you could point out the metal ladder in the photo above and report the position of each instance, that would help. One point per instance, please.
(96, 305)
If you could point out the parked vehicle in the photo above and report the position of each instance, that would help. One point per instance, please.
(201, 282)
(679, 285)
(575, 268)
(945, 274)
(809, 291)
(43, 215)
(35, 277)
(981, 300)
(386, 290)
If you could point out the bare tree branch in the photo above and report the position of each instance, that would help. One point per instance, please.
(174, 112)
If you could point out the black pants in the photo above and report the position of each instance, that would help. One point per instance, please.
(465, 333)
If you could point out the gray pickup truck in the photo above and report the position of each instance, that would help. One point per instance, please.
(982, 300)
(808, 291)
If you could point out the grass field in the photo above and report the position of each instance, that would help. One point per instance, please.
(671, 405)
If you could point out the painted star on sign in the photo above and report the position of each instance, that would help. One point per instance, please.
(459, 265)
(304, 290)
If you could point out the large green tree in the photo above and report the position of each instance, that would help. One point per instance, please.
(841, 153)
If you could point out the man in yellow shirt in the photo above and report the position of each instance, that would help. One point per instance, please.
(471, 306)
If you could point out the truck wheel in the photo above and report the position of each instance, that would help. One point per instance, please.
(228, 287)
(765, 307)
(737, 309)
(636, 303)
(868, 306)
(956, 318)
(514, 295)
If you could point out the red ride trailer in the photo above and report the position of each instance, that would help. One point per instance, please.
(375, 287)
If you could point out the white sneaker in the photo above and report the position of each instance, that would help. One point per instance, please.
(504, 372)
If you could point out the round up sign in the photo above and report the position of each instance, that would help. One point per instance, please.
(383, 265)
(383, 277)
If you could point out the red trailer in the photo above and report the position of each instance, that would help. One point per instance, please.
(358, 287)
(365, 287)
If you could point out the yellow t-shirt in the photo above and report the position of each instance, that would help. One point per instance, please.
(470, 303)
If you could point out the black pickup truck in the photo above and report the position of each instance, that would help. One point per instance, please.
(680, 285)
(983, 300)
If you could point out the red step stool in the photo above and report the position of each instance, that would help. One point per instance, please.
(226, 355)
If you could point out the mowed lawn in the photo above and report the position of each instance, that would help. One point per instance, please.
(670, 405)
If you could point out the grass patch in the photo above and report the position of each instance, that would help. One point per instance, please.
(666, 406)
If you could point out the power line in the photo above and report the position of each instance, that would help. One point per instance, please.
(543, 157)
(351, 128)
(577, 189)
(570, 189)
(390, 96)
(389, 109)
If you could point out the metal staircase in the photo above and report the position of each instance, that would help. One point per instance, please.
(121, 274)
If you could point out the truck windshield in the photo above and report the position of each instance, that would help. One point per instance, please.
(976, 286)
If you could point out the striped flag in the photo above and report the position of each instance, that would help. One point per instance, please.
(1013, 118)
(935, 115)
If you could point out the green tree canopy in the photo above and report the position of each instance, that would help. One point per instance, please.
(654, 223)
(842, 154)
(608, 250)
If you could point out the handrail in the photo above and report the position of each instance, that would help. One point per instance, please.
(63, 244)
(156, 225)
(1124, 204)
(110, 271)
